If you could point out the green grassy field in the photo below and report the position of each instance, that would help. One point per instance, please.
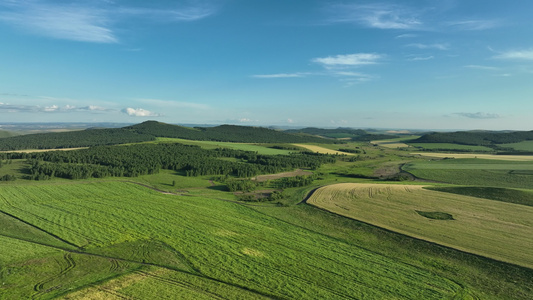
(260, 149)
(212, 242)
(490, 228)
(479, 172)
(451, 147)
(522, 146)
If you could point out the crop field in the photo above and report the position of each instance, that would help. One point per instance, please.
(451, 147)
(480, 156)
(494, 229)
(481, 172)
(322, 150)
(134, 242)
(237, 146)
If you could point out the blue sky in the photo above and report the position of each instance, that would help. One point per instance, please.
(419, 64)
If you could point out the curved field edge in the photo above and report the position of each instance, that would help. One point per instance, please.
(223, 241)
(497, 230)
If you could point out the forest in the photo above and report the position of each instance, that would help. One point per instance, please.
(143, 159)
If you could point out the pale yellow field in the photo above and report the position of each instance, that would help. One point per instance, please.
(42, 150)
(321, 149)
(499, 230)
(390, 144)
(482, 156)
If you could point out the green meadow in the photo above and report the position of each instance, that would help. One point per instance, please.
(209, 239)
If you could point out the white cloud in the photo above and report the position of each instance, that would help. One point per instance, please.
(348, 60)
(430, 46)
(50, 109)
(479, 115)
(480, 67)
(70, 22)
(421, 58)
(280, 75)
(516, 55)
(382, 16)
(192, 13)
(139, 112)
(474, 24)
(407, 35)
(290, 121)
(245, 120)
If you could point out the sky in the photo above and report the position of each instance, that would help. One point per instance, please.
(410, 64)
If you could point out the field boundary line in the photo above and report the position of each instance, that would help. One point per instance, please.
(40, 229)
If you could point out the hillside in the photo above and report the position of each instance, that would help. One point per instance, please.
(148, 131)
(223, 133)
(72, 139)
(4, 133)
(478, 138)
(358, 135)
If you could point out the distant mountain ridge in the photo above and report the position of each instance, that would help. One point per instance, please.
(477, 138)
(149, 131)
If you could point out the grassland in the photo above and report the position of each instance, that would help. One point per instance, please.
(477, 172)
(480, 156)
(449, 147)
(521, 146)
(490, 228)
(123, 238)
(260, 149)
(211, 241)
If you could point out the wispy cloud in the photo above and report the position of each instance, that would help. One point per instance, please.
(91, 21)
(516, 55)
(139, 112)
(474, 25)
(281, 75)
(479, 115)
(421, 58)
(480, 67)
(406, 36)
(191, 13)
(430, 46)
(382, 16)
(348, 60)
(70, 22)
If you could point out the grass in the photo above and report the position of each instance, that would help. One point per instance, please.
(480, 156)
(451, 147)
(499, 194)
(490, 228)
(522, 146)
(260, 149)
(219, 241)
(485, 278)
(476, 172)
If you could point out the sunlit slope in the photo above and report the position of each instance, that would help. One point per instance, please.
(490, 228)
(220, 241)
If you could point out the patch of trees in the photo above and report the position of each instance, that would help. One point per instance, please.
(350, 150)
(477, 138)
(143, 159)
(8, 177)
(289, 182)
